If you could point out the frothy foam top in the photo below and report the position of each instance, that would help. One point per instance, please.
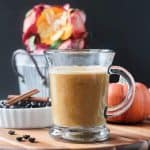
(77, 69)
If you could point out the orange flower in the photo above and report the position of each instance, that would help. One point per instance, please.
(53, 24)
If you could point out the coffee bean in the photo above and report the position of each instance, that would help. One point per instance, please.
(20, 139)
(48, 103)
(32, 139)
(34, 106)
(39, 104)
(11, 132)
(26, 136)
(28, 105)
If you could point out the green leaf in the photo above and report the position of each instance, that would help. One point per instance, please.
(56, 44)
(31, 41)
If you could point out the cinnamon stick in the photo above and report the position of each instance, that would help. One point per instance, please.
(34, 99)
(21, 97)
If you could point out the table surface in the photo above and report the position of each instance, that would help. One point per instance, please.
(122, 137)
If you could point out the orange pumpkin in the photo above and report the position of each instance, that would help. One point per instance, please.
(138, 110)
(149, 106)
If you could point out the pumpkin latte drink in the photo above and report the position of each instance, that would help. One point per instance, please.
(78, 96)
(79, 88)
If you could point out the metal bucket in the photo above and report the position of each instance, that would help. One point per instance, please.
(32, 72)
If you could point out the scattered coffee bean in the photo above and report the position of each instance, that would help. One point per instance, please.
(31, 139)
(23, 138)
(11, 132)
(20, 139)
(26, 136)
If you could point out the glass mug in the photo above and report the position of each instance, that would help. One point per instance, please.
(79, 88)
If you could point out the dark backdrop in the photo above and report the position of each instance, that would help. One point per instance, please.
(122, 25)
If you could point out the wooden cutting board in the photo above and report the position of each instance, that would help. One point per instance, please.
(122, 137)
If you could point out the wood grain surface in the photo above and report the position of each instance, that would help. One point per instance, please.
(122, 137)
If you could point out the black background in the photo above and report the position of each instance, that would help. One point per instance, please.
(122, 25)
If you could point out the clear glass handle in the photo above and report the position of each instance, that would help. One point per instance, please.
(128, 100)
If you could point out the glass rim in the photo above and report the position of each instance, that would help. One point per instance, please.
(77, 51)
